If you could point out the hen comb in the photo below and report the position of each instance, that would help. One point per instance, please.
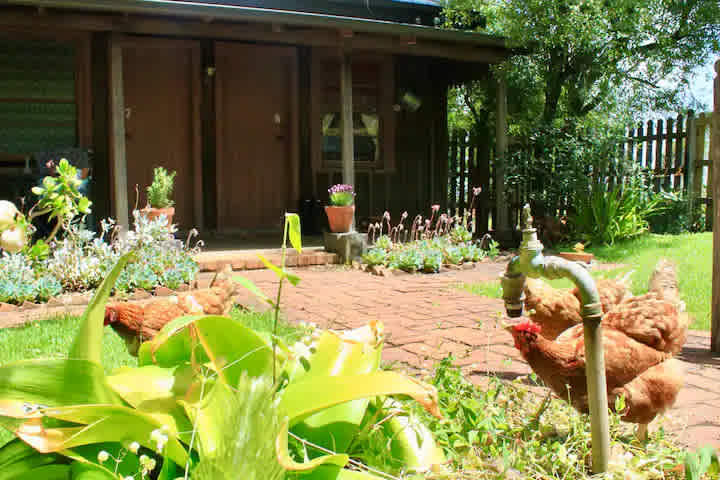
(527, 326)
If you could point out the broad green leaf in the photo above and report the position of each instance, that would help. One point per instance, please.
(413, 446)
(283, 455)
(292, 221)
(331, 472)
(18, 458)
(88, 341)
(294, 279)
(142, 384)
(50, 472)
(250, 286)
(335, 427)
(301, 399)
(54, 382)
(101, 423)
(89, 471)
(208, 415)
(88, 454)
(230, 347)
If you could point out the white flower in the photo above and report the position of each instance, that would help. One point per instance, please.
(134, 447)
(13, 239)
(103, 456)
(8, 211)
(159, 438)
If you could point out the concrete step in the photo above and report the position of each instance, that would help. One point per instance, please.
(249, 260)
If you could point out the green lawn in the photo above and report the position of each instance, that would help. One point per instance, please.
(691, 252)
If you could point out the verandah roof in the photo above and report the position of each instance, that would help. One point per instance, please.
(434, 37)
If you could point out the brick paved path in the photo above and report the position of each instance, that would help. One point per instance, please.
(426, 318)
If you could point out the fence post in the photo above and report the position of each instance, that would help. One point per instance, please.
(690, 159)
(452, 171)
(715, 160)
(679, 157)
(657, 181)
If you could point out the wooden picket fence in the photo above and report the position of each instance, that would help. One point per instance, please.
(676, 151)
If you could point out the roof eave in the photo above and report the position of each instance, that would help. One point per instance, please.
(254, 14)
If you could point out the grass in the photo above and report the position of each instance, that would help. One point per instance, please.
(691, 252)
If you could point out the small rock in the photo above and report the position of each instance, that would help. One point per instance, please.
(453, 267)
(468, 266)
(183, 288)
(55, 302)
(378, 270)
(81, 298)
(397, 271)
(7, 307)
(163, 291)
(29, 305)
(140, 294)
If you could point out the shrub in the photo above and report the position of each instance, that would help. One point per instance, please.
(82, 259)
(674, 216)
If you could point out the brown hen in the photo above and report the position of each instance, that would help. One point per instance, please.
(648, 378)
(137, 323)
(556, 310)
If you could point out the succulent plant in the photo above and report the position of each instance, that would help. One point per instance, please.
(375, 256)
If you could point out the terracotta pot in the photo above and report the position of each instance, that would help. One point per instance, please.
(340, 218)
(152, 213)
(577, 256)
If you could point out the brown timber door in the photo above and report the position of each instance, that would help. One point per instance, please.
(161, 82)
(256, 135)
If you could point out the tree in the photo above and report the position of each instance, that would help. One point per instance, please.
(597, 56)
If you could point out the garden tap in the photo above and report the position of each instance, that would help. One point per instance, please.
(531, 262)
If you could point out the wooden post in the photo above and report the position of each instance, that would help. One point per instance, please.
(715, 160)
(346, 121)
(657, 181)
(668, 154)
(117, 136)
(501, 147)
(690, 161)
(678, 163)
(648, 146)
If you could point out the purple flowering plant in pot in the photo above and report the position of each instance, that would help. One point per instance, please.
(341, 210)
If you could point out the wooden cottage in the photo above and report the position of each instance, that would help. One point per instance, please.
(257, 105)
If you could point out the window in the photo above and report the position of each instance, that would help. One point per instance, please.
(38, 106)
(372, 112)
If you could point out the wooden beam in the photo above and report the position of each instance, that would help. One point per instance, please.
(13, 18)
(501, 224)
(117, 135)
(346, 120)
(715, 160)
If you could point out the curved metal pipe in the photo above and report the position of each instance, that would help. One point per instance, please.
(532, 263)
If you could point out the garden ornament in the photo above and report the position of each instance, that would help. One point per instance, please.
(532, 263)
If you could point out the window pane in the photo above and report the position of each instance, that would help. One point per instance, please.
(366, 128)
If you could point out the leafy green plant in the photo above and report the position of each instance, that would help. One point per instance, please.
(175, 404)
(460, 234)
(453, 255)
(702, 462)
(59, 197)
(409, 260)
(159, 192)
(606, 217)
(375, 256)
(432, 261)
(341, 195)
(384, 242)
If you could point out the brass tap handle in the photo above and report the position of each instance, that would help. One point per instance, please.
(527, 219)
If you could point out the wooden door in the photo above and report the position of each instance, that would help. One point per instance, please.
(256, 135)
(161, 81)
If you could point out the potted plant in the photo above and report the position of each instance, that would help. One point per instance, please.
(341, 210)
(159, 195)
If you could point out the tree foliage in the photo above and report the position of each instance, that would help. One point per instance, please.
(584, 57)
